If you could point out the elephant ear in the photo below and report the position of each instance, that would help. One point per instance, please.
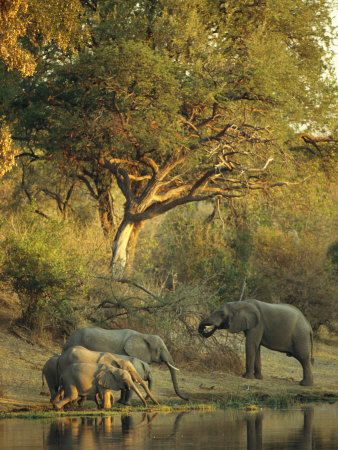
(137, 346)
(105, 379)
(243, 318)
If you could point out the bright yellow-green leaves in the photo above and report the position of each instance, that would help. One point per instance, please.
(7, 150)
(39, 21)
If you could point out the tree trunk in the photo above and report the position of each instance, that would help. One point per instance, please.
(124, 248)
(131, 247)
(106, 213)
(120, 245)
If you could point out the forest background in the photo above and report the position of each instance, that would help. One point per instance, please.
(161, 158)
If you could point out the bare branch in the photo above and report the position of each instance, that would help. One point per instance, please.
(133, 283)
(262, 168)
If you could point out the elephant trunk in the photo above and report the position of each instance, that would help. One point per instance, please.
(206, 334)
(147, 389)
(174, 380)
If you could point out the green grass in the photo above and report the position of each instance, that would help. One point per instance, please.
(249, 402)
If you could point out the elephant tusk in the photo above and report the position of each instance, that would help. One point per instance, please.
(173, 367)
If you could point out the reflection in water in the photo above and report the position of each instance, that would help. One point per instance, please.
(301, 439)
(293, 429)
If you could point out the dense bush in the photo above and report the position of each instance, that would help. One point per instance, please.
(46, 271)
(188, 246)
(282, 249)
(295, 269)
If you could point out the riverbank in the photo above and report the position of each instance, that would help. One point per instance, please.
(22, 360)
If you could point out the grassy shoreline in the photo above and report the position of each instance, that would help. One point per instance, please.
(252, 403)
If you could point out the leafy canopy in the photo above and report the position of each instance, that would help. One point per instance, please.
(177, 102)
(27, 24)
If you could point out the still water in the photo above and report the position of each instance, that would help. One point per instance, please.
(306, 428)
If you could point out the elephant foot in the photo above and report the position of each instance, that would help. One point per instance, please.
(248, 375)
(306, 382)
(258, 376)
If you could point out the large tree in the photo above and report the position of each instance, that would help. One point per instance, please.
(26, 26)
(174, 102)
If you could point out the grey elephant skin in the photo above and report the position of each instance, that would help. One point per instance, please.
(147, 347)
(93, 380)
(79, 354)
(279, 327)
(49, 372)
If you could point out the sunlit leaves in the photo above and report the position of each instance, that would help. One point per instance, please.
(7, 150)
(39, 22)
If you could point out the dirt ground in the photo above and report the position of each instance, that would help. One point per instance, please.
(22, 361)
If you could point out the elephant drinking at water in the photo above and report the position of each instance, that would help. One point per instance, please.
(93, 380)
(147, 347)
(79, 354)
(279, 327)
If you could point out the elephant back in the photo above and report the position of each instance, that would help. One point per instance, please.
(99, 339)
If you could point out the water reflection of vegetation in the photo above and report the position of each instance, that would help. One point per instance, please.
(266, 429)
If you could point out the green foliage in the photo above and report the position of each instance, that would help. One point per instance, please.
(162, 95)
(280, 244)
(27, 25)
(46, 272)
(296, 271)
(333, 255)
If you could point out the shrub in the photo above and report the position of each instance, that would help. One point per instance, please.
(48, 276)
(184, 244)
(296, 270)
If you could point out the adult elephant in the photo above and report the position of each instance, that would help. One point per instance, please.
(93, 380)
(79, 354)
(279, 327)
(147, 347)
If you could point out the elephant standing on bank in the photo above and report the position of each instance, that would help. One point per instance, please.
(279, 327)
(147, 347)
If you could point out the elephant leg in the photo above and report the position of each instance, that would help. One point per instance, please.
(121, 399)
(82, 400)
(258, 364)
(98, 400)
(71, 396)
(307, 373)
(107, 397)
(126, 397)
(57, 396)
(302, 353)
(251, 348)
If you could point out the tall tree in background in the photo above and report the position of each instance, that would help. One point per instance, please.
(174, 102)
(26, 26)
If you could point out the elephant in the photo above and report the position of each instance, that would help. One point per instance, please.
(143, 369)
(93, 380)
(147, 347)
(79, 354)
(279, 327)
(49, 372)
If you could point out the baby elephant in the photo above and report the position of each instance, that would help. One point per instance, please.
(93, 380)
(79, 354)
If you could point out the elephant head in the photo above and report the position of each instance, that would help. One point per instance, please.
(233, 316)
(151, 348)
(117, 379)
